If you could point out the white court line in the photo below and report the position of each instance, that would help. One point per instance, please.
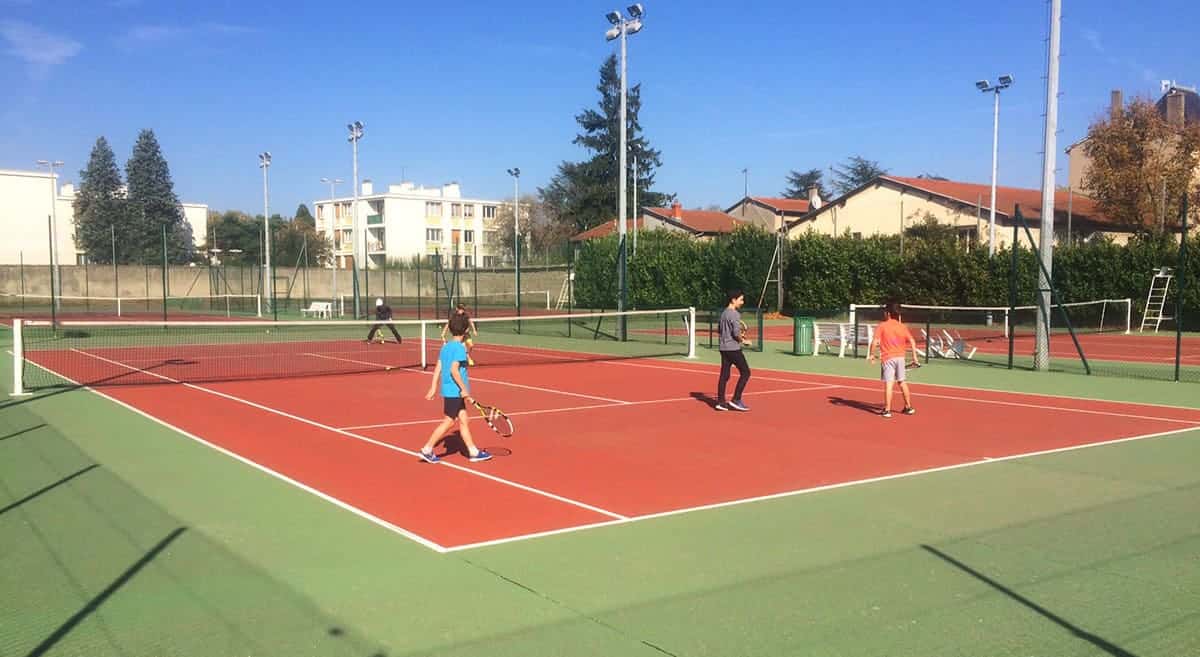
(384, 367)
(417, 538)
(594, 406)
(818, 489)
(396, 448)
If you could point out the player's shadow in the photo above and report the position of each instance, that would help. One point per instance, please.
(453, 444)
(873, 409)
(704, 398)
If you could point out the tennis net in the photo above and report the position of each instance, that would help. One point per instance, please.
(179, 307)
(985, 323)
(96, 353)
(481, 303)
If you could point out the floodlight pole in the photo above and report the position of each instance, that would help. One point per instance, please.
(995, 152)
(515, 172)
(55, 260)
(622, 26)
(1041, 357)
(333, 182)
(356, 133)
(264, 163)
(1004, 82)
(623, 211)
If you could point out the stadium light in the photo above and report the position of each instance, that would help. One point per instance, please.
(1005, 81)
(55, 263)
(623, 27)
(356, 133)
(264, 163)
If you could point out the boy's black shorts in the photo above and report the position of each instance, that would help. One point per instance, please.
(451, 406)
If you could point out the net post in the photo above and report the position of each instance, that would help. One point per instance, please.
(1012, 294)
(18, 390)
(424, 361)
(691, 332)
(1128, 314)
(928, 331)
(258, 305)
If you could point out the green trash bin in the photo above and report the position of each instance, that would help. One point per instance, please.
(803, 329)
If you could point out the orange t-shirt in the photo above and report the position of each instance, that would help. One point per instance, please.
(893, 339)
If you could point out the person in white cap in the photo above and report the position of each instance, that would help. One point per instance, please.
(383, 313)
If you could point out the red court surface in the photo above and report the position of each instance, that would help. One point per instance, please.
(602, 441)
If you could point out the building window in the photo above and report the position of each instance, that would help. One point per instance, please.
(469, 211)
(469, 236)
(489, 212)
(435, 260)
(489, 237)
(433, 209)
(455, 209)
(468, 262)
(433, 234)
(489, 261)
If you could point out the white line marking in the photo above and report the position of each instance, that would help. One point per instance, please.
(828, 487)
(417, 538)
(593, 406)
(297, 418)
(382, 366)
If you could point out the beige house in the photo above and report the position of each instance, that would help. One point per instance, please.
(701, 224)
(772, 213)
(1178, 105)
(889, 204)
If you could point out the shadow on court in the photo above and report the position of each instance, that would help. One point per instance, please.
(873, 409)
(1075, 630)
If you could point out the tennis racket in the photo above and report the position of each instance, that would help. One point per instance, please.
(495, 418)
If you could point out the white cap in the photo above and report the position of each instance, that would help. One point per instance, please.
(379, 302)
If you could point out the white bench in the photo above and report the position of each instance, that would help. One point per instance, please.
(838, 337)
(320, 309)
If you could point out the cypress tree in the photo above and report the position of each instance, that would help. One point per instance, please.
(152, 204)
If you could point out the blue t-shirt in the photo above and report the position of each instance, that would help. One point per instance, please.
(453, 352)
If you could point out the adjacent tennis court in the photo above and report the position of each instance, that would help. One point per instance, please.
(602, 439)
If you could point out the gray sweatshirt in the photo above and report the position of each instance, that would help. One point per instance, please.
(730, 330)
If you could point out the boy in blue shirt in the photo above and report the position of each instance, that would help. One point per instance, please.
(451, 376)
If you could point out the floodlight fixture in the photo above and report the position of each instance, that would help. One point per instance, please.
(636, 10)
(634, 26)
(613, 17)
(612, 34)
(515, 172)
(264, 159)
(1006, 81)
(983, 85)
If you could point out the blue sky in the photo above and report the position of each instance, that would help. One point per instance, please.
(463, 90)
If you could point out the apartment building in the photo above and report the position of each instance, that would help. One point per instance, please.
(409, 220)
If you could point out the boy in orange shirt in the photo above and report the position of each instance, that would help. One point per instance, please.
(894, 340)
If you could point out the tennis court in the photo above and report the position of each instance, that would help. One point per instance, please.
(601, 439)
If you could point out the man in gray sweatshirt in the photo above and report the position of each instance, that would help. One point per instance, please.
(730, 346)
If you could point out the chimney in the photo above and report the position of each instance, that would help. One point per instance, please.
(677, 211)
(368, 188)
(1175, 114)
(1116, 104)
(814, 197)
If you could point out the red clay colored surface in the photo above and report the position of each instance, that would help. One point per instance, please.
(632, 437)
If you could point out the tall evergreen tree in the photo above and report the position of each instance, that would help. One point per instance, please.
(854, 173)
(799, 181)
(100, 206)
(153, 204)
(585, 193)
(305, 218)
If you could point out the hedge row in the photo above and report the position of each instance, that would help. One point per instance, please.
(823, 275)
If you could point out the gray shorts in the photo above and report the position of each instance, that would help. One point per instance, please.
(893, 369)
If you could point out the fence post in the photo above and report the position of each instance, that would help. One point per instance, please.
(1181, 286)
(164, 270)
(1012, 296)
(53, 299)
